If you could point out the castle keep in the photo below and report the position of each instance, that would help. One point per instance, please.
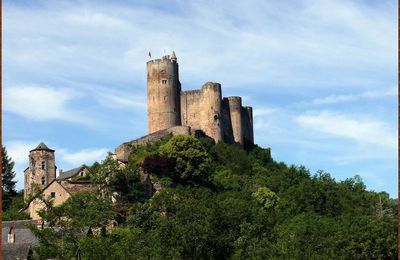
(221, 118)
(203, 111)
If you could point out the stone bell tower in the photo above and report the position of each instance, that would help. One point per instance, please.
(163, 93)
(41, 170)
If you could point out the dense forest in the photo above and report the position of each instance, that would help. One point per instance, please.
(218, 201)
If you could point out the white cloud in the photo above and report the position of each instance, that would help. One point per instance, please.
(365, 131)
(85, 156)
(334, 99)
(122, 100)
(42, 103)
(251, 45)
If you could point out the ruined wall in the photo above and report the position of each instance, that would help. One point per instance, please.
(41, 170)
(122, 151)
(191, 102)
(163, 91)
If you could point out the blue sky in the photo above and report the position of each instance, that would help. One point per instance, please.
(321, 76)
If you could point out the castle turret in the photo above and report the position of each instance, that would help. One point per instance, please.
(41, 170)
(235, 108)
(212, 110)
(163, 93)
(247, 122)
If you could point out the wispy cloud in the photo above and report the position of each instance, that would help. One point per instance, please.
(363, 130)
(331, 38)
(42, 103)
(122, 100)
(334, 99)
(85, 156)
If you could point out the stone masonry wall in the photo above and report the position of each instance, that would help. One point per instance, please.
(122, 151)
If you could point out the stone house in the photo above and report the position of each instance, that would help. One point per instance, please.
(58, 191)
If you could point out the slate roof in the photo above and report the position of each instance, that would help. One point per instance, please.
(74, 187)
(24, 239)
(71, 173)
(42, 147)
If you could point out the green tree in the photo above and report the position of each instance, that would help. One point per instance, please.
(265, 197)
(13, 212)
(191, 161)
(8, 182)
(69, 222)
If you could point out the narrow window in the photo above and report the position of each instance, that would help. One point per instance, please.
(81, 173)
(154, 99)
(164, 81)
(52, 195)
(43, 180)
(165, 97)
(43, 165)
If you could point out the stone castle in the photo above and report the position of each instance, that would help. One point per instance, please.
(203, 111)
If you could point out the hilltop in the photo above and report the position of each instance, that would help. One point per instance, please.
(218, 201)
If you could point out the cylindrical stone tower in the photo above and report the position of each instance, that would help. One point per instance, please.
(212, 110)
(163, 90)
(235, 106)
(41, 170)
(250, 126)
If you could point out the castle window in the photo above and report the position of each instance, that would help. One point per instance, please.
(164, 81)
(43, 165)
(154, 98)
(215, 118)
(165, 97)
(43, 180)
(52, 195)
(81, 174)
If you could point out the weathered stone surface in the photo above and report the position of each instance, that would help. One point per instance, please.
(203, 109)
(41, 170)
(122, 151)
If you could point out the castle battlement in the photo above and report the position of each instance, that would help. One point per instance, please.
(202, 109)
(211, 86)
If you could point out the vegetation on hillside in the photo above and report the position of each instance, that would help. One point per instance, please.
(218, 201)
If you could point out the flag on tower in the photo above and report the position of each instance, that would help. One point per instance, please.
(149, 54)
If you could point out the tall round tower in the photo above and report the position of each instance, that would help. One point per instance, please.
(41, 170)
(211, 110)
(235, 108)
(163, 93)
